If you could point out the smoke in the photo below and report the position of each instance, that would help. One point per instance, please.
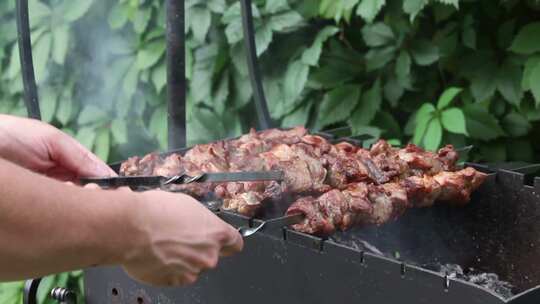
(107, 78)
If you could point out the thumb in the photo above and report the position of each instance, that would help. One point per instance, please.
(74, 157)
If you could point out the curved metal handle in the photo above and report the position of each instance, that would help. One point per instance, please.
(27, 65)
(30, 291)
(249, 231)
(265, 121)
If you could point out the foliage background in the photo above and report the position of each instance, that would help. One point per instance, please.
(428, 71)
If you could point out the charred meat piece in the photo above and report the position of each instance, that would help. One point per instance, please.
(365, 204)
(140, 166)
(456, 187)
(360, 204)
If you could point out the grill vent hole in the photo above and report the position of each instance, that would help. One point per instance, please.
(114, 292)
(140, 300)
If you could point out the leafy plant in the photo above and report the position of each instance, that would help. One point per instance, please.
(431, 121)
(432, 72)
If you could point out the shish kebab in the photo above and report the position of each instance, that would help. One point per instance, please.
(338, 186)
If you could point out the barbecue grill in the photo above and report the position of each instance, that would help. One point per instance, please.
(404, 261)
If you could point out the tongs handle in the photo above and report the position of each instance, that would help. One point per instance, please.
(279, 222)
(160, 181)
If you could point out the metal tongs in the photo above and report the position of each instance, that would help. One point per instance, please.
(182, 179)
(274, 223)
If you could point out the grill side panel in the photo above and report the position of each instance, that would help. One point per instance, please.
(272, 270)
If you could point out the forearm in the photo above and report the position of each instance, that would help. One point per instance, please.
(48, 227)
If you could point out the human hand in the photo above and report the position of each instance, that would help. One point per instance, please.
(43, 148)
(178, 238)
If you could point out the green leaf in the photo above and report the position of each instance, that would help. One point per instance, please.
(425, 52)
(217, 6)
(403, 64)
(388, 124)
(200, 19)
(516, 124)
(48, 102)
(131, 80)
(141, 20)
(453, 120)
(509, 81)
(469, 38)
(86, 136)
(64, 111)
(91, 114)
(433, 136)
(159, 77)
(337, 104)
(295, 80)
(150, 54)
(422, 119)
(45, 287)
(14, 67)
(158, 126)
(369, 105)
(531, 63)
(102, 145)
(481, 124)
(413, 7)
(298, 117)
(60, 44)
(119, 131)
(38, 11)
(41, 53)
(393, 91)
(377, 34)
(263, 37)
(447, 96)
(312, 54)
(378, 58)
(74, 10)
(535, 83)
(285, 21)
(368, 9)
(484, 82)
(505, 34)
(11, 292)
(204, 126)
(276, 6)
(526, 42)
(337, 9)
(118, 16)
(454, 3)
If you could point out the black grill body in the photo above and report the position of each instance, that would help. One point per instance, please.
(498, 232)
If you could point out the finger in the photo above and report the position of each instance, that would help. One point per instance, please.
(234, 245)
(92, 186)
(74, 157)
(189, 278)
(61, 174)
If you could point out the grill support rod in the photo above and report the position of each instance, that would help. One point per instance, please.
(27, 65)
(265, 121)
(176, 74)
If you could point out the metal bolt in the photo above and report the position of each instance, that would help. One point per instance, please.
(63, 295)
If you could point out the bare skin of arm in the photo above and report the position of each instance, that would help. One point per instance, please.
(47, 226)
(159, 238)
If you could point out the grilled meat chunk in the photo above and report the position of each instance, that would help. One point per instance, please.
(343, 185)
(371, 204)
